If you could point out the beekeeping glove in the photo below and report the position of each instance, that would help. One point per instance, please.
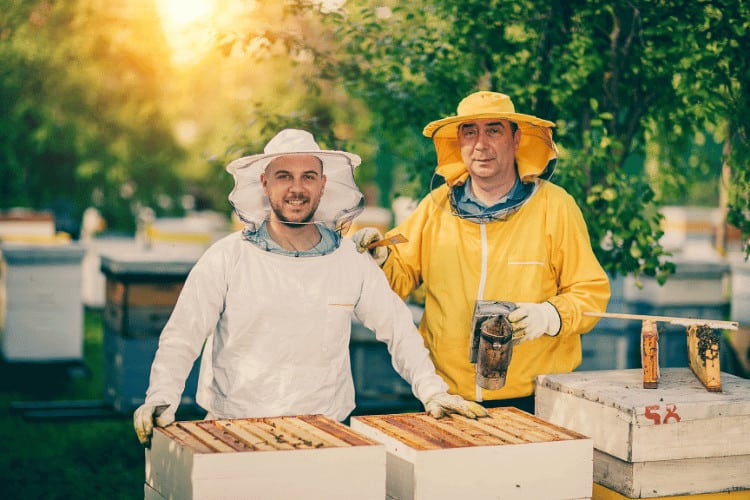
(531, 321)
(146, 415)
(442, 404)
(366, 236)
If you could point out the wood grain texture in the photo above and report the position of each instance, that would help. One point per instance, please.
(650, 354)
(510, 454)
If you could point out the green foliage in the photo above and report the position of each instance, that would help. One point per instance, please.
(611, 75)
(81, 121)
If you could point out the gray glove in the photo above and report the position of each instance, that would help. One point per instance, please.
(442, 404)
(146, 415)
(530, 321)
(367, 236)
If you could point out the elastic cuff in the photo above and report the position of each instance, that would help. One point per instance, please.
(559, 320)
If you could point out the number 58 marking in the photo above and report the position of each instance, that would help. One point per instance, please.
(654, 412)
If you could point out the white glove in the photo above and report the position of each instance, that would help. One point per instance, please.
(366, 236)
(442, 404)
(146, 415)
(531, 321)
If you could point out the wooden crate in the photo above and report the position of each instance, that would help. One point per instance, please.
(509, 455)
(306, 456)
(676, 439)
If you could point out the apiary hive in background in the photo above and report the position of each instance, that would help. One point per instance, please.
(23, 225)
(378, 387)
(678, 439)
(41, 314)
(142, 288)
(509, 455)
(306, 456)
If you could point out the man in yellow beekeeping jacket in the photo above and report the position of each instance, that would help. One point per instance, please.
(497, 230)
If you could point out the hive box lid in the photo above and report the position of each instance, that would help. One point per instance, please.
(129, 263)
(32, 253)
(679, 419)
(306, 456)
(510, 455)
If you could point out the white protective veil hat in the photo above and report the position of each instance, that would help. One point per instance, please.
(341, 201)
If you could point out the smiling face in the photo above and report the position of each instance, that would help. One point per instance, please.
(488, 147)
(294, 185)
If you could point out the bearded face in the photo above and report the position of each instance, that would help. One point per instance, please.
(294, 185)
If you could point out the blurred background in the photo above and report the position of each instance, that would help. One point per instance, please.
(117, 119)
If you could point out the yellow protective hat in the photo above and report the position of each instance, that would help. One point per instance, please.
(536, 155)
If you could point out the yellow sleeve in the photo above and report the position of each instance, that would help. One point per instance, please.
(403, 268)
(583, 284)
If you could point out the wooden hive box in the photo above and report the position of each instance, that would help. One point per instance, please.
(677, 439)
(141, 289)
(306, 456)
(509, 455)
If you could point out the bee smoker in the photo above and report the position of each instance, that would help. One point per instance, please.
(492, 343)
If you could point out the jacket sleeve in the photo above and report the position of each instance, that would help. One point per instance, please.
(193, 319)
(383, 312)
(583, 285)
(403, 267)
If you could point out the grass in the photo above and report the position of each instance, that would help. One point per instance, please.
(82, 458)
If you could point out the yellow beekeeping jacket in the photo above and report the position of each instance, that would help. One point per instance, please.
(542, 252)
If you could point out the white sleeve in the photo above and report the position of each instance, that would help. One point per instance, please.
(193, 319)
(382, 311)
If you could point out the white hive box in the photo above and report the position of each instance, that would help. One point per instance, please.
(509, 455)
(678, 439)
(306, 456)
(41, 313)
(696, 284)
(27, 225)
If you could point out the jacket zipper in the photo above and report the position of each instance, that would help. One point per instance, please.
(482, 281)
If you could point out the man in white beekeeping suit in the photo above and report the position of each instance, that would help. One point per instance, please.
(273, 303)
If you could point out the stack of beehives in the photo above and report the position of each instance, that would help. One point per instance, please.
(673, 441)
